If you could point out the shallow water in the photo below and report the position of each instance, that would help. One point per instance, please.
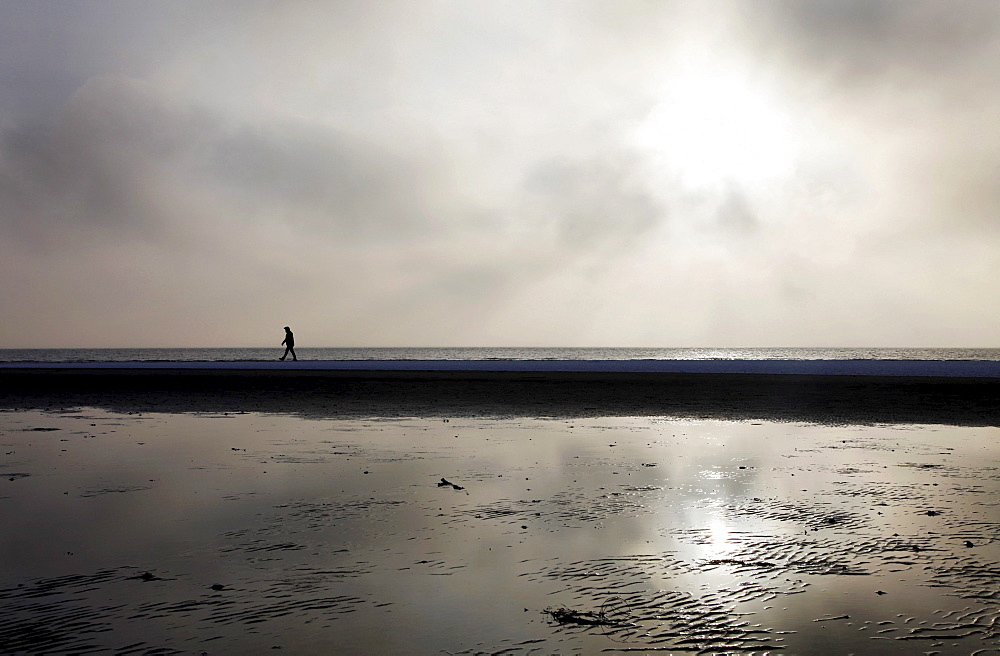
(568, 536)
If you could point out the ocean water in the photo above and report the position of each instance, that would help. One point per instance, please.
(493, 353)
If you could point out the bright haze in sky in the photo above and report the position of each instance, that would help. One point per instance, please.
(462, 173)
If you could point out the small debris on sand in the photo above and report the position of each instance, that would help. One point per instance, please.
(828, 619)
(585, 617)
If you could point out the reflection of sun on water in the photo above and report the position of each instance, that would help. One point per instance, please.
(718, 544)
(712, 128)
(713, 475)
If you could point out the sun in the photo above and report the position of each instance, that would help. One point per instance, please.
(710, 128)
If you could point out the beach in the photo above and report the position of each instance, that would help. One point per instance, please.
(315, 511)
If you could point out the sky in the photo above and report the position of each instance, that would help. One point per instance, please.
(499, 173)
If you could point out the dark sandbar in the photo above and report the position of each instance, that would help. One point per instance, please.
(857, 391)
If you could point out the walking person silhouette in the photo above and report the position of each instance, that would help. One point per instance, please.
(289, 343)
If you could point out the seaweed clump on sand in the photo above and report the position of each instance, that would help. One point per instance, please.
(584, 617)
(615, 605)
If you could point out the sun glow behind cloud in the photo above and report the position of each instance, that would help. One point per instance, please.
(713, 127)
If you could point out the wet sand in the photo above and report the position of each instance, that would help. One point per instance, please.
(338, 393)
(310, 518)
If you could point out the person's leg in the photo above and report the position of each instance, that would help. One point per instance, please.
(294, 359)
(287, 349)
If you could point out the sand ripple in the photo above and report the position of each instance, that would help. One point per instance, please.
(71, 614)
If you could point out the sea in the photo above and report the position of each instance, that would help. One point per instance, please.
(251, 354)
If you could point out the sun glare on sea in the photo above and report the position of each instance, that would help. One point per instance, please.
(712, 128)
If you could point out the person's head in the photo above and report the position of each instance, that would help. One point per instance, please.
(288, 329)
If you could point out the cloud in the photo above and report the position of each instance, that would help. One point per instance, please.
(597, 203)
(104, 165)
(870, 41)
(735, 212)
(124, 157)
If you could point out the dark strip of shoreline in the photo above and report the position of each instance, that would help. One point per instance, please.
(439, 394)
